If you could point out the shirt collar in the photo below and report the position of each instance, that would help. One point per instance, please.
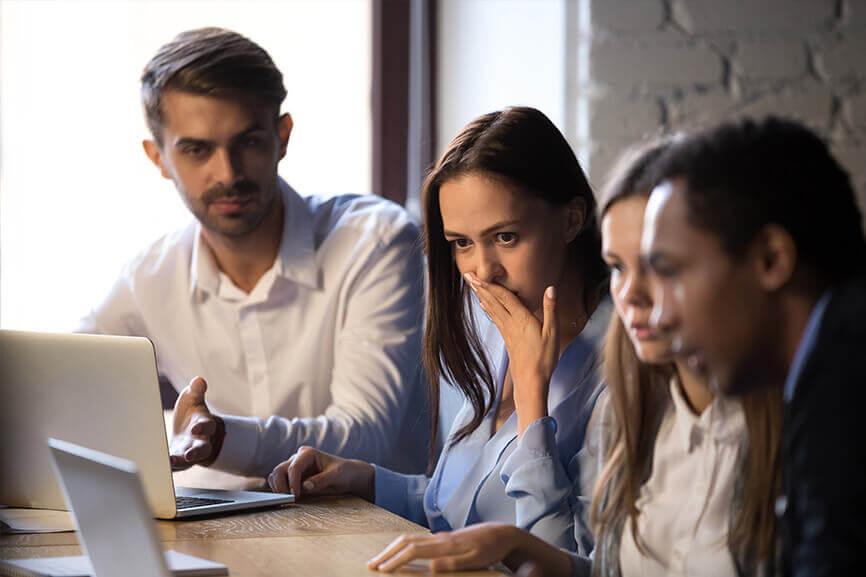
(203, 270)
(296, 258)
(723, 420)
(807, 343)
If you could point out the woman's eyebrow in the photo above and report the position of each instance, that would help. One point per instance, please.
(487, 230)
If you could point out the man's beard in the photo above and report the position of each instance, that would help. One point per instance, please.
(241, 189)
(239, 225)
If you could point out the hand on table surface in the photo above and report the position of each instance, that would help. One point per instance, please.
(312, 472)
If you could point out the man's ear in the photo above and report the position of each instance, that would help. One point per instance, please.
(775, 257)
(154, 153)
(576, 214)
(284, 131)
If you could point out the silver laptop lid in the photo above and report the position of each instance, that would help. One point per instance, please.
(96, 391)
(113, 517)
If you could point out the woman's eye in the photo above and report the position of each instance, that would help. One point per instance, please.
(506, 238)
(461, 243)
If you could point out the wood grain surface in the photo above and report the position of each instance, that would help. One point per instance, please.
(322, 515)
(314, 555)
(322, 537)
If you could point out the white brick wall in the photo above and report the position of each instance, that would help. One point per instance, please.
(856, 107)
(662, 65)
(653, 64)
(771, 59)
(740, 17)
(621, 16)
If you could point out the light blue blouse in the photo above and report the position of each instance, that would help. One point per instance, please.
(534, 482)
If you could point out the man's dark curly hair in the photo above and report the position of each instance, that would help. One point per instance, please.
(743, 175)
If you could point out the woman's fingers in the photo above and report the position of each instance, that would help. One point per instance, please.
(393, 548)
(504, 297)
(496, 295)
(408, 548)
(550, 326)
(494, 308)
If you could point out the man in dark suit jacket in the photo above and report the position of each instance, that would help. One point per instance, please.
(758, 259)
(824, 480)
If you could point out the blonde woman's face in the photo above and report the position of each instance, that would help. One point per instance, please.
(621, 230)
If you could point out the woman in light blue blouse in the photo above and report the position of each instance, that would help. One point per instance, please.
(509, 220)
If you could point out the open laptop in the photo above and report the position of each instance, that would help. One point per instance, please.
(116, 533)
(100, 392)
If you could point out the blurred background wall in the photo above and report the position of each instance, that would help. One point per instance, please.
(613, 72)
(676, 64)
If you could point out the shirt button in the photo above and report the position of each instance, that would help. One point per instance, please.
(781, 506)
(696, 438)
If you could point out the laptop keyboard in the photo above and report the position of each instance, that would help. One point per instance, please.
(187, 502)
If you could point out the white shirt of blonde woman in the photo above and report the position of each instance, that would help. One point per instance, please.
(685, 505)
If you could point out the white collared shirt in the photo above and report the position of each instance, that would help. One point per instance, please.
(685, 504)
(324, 351)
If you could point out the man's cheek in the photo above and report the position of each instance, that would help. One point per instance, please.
(678, 294)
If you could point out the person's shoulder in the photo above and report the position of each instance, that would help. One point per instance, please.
(161, 256)
(836, 369)
(846, 312)
(360, 215)
(843, 328)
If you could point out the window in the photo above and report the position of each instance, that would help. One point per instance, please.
(78, 197)
(497, 53)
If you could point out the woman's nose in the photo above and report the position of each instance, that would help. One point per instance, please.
(488, 268)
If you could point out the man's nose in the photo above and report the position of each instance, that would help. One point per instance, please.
(225, 167)
(664, 316)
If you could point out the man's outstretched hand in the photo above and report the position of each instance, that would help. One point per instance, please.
(197, 433)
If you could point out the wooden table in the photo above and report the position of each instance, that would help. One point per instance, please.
(321, 537)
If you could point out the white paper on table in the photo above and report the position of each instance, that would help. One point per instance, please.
(179, 564)
(14, 520)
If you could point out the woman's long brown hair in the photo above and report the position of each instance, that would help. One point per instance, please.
(523, 148)
(639, 396)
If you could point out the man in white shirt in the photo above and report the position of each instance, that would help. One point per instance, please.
(303, 315)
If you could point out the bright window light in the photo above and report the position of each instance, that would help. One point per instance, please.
(78, 197)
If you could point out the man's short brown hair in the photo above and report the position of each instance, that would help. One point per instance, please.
(211, 62)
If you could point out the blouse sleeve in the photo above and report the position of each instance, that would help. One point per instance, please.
(402, 494)
(541, 488)
(589, 463)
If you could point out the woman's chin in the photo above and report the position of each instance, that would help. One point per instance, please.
(653, 352)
